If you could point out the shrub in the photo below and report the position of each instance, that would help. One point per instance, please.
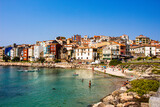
(149, 58)
(154, 57)
(144, 86)
(156, 71)
(139, 58)
(16, 59)
(57, 60)
(41, 59)
(114, 62)
(6, 58)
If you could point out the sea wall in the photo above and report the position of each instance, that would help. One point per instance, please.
(48, 65)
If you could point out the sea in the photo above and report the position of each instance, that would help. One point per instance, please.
(53, 87)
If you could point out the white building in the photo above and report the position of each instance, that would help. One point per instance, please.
(12, 53)
(158, 51)
(31, 53)
(86, 53)
(38, 51)
(150, 51)
(104, 38)
(141, 51)
(111, 52)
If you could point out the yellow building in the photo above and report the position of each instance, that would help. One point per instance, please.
(1, 53)
(142, 40)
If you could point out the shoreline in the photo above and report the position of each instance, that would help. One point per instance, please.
(100, 69)
(110, 71)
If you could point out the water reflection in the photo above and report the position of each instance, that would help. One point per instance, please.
(83, 74)
(36, 88)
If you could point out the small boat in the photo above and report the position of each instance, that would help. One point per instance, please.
(20, 70)
(75, 74)
(31, 70)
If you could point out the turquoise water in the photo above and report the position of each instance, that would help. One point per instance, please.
(53, 87)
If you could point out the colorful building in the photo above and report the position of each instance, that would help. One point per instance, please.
(31, 53)
(88, 54)
(55, 50)
(1, 53)
(38, 52)
(142, 40)
(25, 54)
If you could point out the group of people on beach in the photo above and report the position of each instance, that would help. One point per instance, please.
(125, 83)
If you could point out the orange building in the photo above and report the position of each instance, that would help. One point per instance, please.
(55, 50)
(25, 54)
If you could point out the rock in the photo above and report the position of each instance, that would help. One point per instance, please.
(109, 105)
(152, 93)
(124, 97)
(96, 105)
(108, 99)
(128, 86)
(131, 104)
(101, 105)
(144, 104)
(120, 105)
(117, 92)
(53, 88)
(134, 94)
(123, 88)
(146, 96)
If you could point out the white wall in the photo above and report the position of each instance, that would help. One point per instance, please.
(85, 54)
(37, 51)
(12, 53)
(150, 49)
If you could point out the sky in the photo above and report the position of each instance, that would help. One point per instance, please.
(28, 21)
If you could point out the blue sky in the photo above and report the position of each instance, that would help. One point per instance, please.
(28, 21)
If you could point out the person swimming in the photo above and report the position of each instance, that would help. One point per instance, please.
(82, 80)
(90, 84)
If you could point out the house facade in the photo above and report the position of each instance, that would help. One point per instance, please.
(86, 54)
(111, 52)
(31, 53)
(1, 53)
(142, 51)
(142, 40)
(38, 52)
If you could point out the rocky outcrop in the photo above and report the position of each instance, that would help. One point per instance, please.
(123, 98)
(147, 68)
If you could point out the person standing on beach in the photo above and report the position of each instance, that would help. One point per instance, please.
(90, 84)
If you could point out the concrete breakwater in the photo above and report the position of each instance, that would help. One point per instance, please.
(48, 65)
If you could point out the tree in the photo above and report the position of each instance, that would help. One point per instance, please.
(41, 59)
(6, 58)
(16, 59)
